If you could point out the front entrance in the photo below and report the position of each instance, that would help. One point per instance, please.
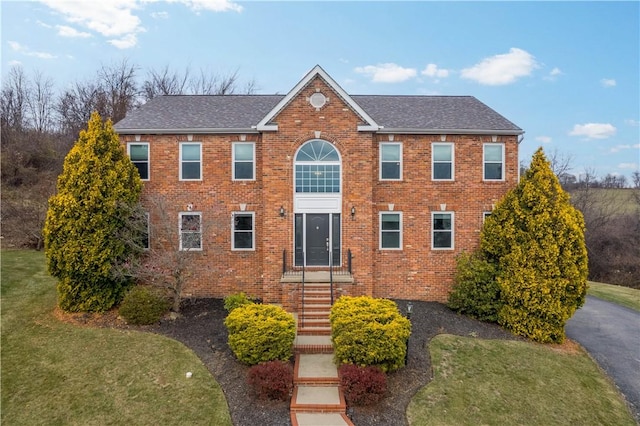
(317, 239)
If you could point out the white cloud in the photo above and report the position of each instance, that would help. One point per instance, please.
(632, 122)
(630, 166)
(17, 47)
(553, 74)
(160, 15)
(210, 5)
(608, 82)
(126, 42)
(593, 130)
(14, 63)
(502, 69)
(432, 70)
(387, 73)
(619, 148)
(543, 139)
(66, 31)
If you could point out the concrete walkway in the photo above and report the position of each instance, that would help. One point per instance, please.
(611, 335)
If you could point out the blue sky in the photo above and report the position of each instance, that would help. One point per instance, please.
(567, 73)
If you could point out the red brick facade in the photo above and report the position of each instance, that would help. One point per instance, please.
(416, 271)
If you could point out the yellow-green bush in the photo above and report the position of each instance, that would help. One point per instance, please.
(367, 331)
(261, 333)
(236, 300)
(143, 306)
(535, 237)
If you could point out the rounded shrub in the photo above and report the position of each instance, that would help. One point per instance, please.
(475, 291)
(143, 306)
(362, 385)
(368, 331)
(272, 379)
(260, 333)
(236, 300)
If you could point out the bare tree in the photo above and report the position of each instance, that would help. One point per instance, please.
(40, 103)
(119, 89)
(164, 82)
(13, 101)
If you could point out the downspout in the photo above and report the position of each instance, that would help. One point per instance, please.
(519, 142)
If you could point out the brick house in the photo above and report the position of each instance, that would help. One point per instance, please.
(375, 193)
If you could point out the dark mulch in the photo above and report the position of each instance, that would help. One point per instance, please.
(201, 328)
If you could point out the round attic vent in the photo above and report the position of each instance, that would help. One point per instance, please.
(318, 100)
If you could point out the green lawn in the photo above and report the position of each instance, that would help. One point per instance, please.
(56, 373)
(625, 296)
(497, 382)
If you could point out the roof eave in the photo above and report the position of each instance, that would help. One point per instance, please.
(183, 131)
(413, 131)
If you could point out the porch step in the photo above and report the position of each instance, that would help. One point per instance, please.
(320, 419)
(314, 369)
(314, 331)
(313, 345)
(318, 399)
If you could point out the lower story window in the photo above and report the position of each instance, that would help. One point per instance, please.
(190, 231)
(243, 234)
(442, 230)
(390, 231)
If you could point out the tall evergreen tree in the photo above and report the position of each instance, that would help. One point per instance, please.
(536, 239)
(86, 232)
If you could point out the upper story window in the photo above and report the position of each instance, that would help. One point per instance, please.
(190, 231)
(442, 230)
(139, 155)
(493, 161)
(317, 168)
(390, 161)
(190, 161)
(442, 161)
(390, 231)
(244, 165)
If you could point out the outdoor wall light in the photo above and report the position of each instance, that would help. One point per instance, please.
(353, 211)
(409, 309)
(281, 211)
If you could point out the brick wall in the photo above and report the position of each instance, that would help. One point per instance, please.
(415, 272)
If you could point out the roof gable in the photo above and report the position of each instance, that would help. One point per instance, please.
(266, 124)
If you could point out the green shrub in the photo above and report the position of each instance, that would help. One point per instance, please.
(261, 333)
(367, 331)
(272, 379)
(362, 385)
(475, 292)
(536, 239)
(236, 300)
(142, 306)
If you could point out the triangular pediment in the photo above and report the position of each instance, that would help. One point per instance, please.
(267, 123)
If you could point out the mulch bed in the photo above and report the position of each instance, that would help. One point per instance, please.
(201, 328)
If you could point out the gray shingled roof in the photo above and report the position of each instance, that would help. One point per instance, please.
(242, 112)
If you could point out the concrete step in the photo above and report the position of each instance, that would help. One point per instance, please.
(313, 345)
(317, 321)
(313, 369)
(320, 419)
(314, 399)
(314, 331)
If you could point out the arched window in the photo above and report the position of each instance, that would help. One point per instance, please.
(317, 166)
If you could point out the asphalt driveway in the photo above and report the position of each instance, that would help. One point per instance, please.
(611, 334)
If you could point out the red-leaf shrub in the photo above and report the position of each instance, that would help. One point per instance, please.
(272, 379)
(362, 385)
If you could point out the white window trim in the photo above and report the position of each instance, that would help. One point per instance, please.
(380, 214)
(453, 230)
(233, 160)
(399, 144)
(253, 231)
(180, 230)
(129, 144)
(180, 161)
(485, 215)
(484, 178)
(453, 161)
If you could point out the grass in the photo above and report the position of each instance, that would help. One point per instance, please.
(495, 382)
(625, 296)
(57, 373)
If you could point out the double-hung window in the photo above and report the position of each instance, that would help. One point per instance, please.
(244, 160)
(442, 230)
(390, 161)
(493, 161)
(190, 161)
(243, 231)
(190, 231)
(442, 161)
(139, 155)
(390, 231)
